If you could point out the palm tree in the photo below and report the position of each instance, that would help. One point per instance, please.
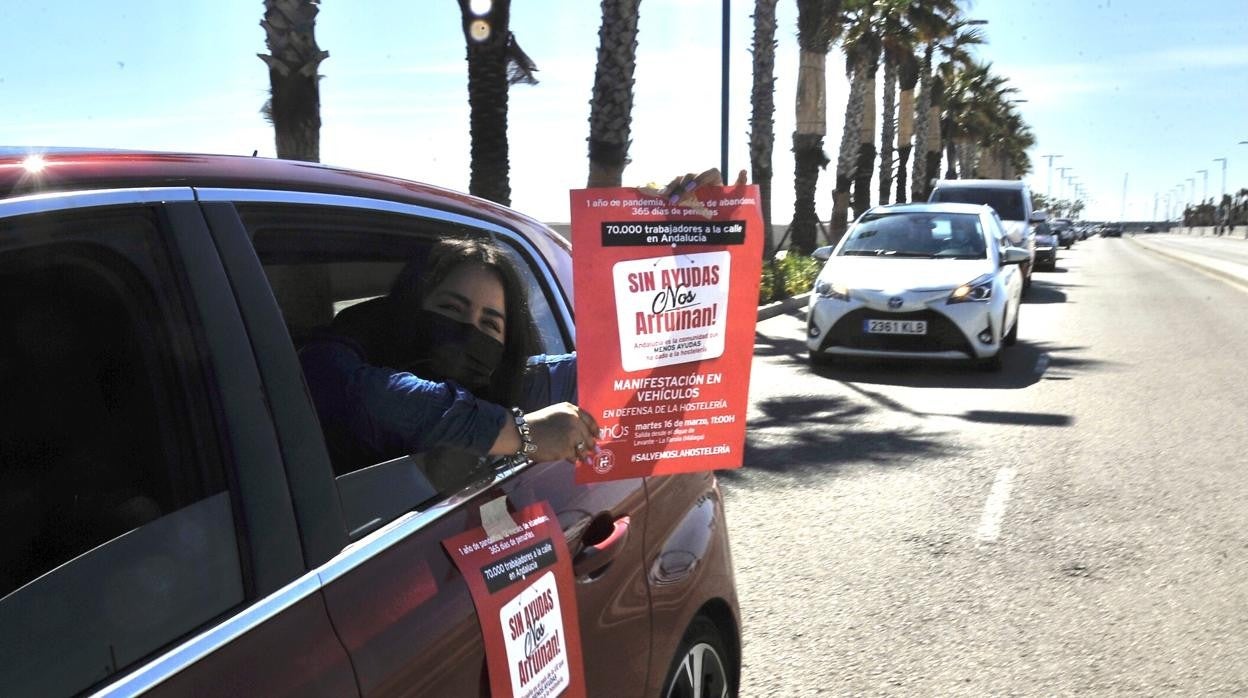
(908, 78)
(952, 41)
(910, 24)
(975, 108)
(859, 72)
(763, 102)
(888, 123)
(818, 23)
(495, 62)
(856, 159)
(294, 104)
(611, 109)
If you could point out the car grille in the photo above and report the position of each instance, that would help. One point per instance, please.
(942, 333)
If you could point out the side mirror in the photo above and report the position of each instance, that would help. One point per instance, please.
(822, 254)
(1039, 216)
(1015, 255)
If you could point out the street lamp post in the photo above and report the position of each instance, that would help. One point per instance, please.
(1061, 172)
(1205, 194)
(723, 93)
(1191, 191)
(1049, 187)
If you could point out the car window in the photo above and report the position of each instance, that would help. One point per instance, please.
(1008, 203)
(926, 234)
(330, 268)
(119, 534)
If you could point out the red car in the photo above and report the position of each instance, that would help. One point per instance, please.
(172, 524)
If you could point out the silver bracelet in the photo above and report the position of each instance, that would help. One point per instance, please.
(527, 447)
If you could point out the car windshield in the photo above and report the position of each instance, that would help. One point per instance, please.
(1008, 203)
(926, 235)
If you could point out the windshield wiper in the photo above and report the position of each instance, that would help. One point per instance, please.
(862, 253)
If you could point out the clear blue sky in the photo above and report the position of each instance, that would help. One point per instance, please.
(1147, 89)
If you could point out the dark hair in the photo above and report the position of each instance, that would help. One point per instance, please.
(416, 281)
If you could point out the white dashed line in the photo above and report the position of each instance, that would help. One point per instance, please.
(994, 508)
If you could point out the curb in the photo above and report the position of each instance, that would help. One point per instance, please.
(788, 305)
(1190, 260)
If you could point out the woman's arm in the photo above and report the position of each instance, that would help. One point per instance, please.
(395, 413)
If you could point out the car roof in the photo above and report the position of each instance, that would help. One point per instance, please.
(87, 169)
(929, 208)
(991, 183)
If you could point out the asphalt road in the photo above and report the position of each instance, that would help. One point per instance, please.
(1075, 525)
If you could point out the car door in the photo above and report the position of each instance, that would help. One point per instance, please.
(149, 541)
(398, 603)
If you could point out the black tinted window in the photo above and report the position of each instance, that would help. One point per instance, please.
(118, 525)
(1008, 203)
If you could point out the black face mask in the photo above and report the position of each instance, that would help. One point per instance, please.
(454, 351)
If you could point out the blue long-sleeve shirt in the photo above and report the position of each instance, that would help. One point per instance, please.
(372, 413)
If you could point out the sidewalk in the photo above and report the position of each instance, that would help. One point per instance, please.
(1223, 257)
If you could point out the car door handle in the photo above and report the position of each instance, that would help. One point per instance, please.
(597, 555)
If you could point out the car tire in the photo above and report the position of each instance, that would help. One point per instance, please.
(700, 668)
(1011, 337)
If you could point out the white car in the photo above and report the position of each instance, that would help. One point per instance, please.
(923, 281)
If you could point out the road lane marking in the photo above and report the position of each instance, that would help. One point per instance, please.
(994, 508)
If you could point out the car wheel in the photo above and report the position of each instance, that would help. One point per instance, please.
(1011, 337)
(700, 668)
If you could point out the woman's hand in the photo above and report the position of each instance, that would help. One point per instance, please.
(681, 188)
(561, 431)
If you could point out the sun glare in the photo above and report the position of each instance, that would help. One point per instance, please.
(34, 164)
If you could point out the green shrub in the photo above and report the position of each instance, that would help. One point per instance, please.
(799, 273)
(789, 276)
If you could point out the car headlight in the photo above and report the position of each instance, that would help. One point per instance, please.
(978, 290)
(827, 289)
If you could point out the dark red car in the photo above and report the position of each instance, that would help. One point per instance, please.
(172, 523)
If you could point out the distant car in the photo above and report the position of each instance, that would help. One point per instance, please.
(918, 281)
(1111, 231)
(1065, 231)
(1148, 229)
(174, 523)
(1046, 247)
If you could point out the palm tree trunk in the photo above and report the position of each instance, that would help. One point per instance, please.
(847, 158)
(611, 109)
(887, 129)
(762, 119)
(489, 176)
(966, 158)
(866, 143)
(294, 105)
(922, 112)
(808, 155)
(908, 76)
(931, 167)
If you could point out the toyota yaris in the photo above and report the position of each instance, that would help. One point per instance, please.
(923, 281)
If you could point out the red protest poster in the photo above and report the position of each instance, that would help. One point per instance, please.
(522, 586)
(667, 298)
